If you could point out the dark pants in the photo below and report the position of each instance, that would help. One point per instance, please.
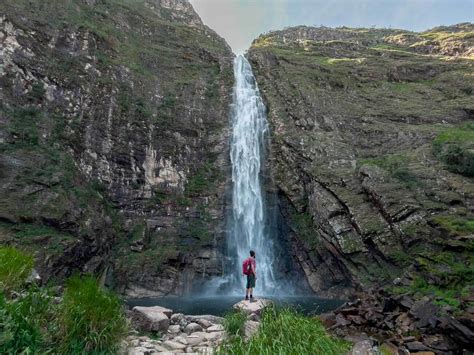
(250, 281)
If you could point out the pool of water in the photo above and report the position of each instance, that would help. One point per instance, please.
(218, 306)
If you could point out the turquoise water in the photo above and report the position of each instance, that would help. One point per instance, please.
(219, 306)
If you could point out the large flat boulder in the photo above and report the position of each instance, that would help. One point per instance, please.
(252, 307)
(150, 318)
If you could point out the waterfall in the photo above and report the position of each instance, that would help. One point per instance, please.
(247, 224)
(253, 222)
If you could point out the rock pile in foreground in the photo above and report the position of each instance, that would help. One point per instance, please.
(180, 333)
(403, 325)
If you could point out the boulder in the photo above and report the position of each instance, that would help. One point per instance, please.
(363, 347)
(215, 328)
(457, 331)
(173, 345)
(174, 329)
(250, 328)
(140, 351)
(215, 335)
(253, 307)
(425, 313)
(254, 317)
(204, 323)
(328, 319)
(176, 318)
(181, 339)
(192, 328)
(164, 310)
(416, 346)
(150, 319)
(196, 338)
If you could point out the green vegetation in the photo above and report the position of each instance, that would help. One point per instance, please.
(87, 320)
(456, 225)
(283, 331)
(455, 147)
(23, 126)
(234, 323)
(203, 180)
(305, 227)
(15, 267)
(397, 165)
(445, 276)
(90, 318)
(28, 325)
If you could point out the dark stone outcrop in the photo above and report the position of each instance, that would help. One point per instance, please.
(400, 323)
(371, 151)
(113, 138)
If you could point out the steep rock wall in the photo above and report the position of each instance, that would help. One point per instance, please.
(114, 126)
(371, 150)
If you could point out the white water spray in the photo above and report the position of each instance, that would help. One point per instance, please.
(249, 127)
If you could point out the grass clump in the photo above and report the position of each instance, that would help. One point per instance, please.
(455, 147)
(397, 167)
(284, 331)
(456, 224)
(15, 267)
(27, 324)
(234, 323)
(87, 319)
(91, 318)
(444, 276)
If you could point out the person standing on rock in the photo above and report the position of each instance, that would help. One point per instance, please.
(249, 268)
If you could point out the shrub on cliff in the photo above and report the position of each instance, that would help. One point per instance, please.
(15, 267)
(284, 331)
(455, 147)
(90, 319)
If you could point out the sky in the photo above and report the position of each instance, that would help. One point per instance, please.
(241, 21)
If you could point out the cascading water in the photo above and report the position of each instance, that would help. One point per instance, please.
(247, 229)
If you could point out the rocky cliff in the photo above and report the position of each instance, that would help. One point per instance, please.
(372, 154)
(113, 139)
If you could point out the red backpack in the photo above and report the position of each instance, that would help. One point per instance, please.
(246, 266)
